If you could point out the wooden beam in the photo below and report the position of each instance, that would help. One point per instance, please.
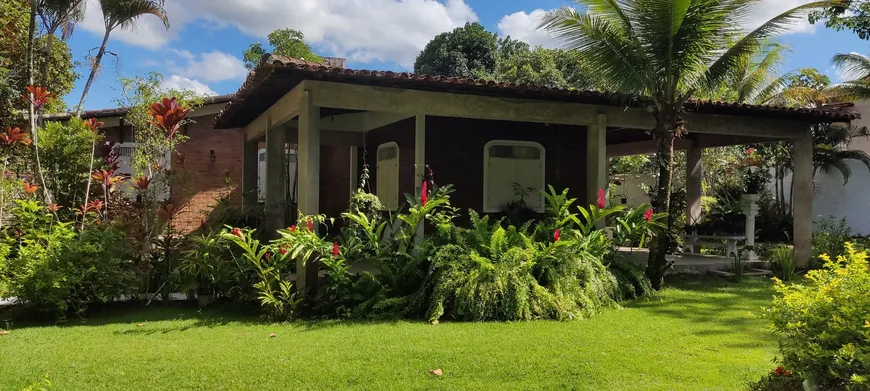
(362, 121)
(331, 137)
(282, 111)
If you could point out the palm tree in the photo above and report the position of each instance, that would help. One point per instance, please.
(831, 149)
(121, 14)
(58, 15)
(858, 67)
(666, 51)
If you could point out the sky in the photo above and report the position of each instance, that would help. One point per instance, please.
(202, 50)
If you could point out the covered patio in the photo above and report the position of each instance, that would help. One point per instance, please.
(336, 116)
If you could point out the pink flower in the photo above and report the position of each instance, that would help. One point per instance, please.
(237, 232)
(556, 235)
(600, 198)
(648, 215)
(334, 249)
(424, 193)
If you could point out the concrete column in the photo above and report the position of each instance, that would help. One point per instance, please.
(276, 178)
(694, 178)
(419, 163)
(802, 152)
(309, 182)
(250, 174)
(596, 159)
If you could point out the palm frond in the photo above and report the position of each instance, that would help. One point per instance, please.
(853, 64)
(125, 13)
(757, 86)
(850, 90)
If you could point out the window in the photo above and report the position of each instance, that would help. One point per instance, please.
(125, 152)
(387, 186)
(261, 173)
(512, 171)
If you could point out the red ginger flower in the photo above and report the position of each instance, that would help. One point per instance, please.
(781, 371)
(750, 151)
(14, 136)
(310, 226)
(38, 96)
(168, 115)
(283, 250)
(292, 228)
(600, 198)
(334, 249)
(237, 232)
(30, 188)
(648, 215)
(424, 193)
(557, 235)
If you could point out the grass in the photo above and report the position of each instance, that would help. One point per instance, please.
(697, 335)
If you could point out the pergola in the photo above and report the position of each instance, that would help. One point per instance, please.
(292, 101)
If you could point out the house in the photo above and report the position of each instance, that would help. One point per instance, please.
(208, 156)
(481, 136)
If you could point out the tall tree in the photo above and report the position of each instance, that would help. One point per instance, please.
(554, 68)
(666, 51)
(850, 15)
(468, 51)
(856, 66)
(120, 14)
(284, 42)
(58, 15)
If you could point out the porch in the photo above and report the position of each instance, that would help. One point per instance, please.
(341, 118)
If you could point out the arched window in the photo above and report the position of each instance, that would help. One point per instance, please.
(513, 171)
(387, 186)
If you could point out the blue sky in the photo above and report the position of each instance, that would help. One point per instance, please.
(202, 50)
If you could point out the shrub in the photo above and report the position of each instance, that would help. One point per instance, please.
(209, 267)
(783, 257)
(779, 379)
(830, 236)
(824, 327)
(631, 279)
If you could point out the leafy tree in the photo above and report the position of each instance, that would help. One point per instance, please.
(553, 68)
(667, 52)
(468, 51)
(850, 15)
(121, 14)
(284, 42)
(58, 15)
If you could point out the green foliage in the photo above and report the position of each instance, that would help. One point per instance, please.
(636, 225)
(551, 68)
(851, 15)
(631, 280)
(468, 51)
(830, 237)
(209, 267)
(277, 297)
(285, 42)
(66, 150)
(823, 327)
(783, 257)
(53, 269)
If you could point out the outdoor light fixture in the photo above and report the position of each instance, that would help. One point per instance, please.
(211, 155)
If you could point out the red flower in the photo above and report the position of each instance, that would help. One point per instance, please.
(648, 215)
(334, 249)
(556, 235)
(13, 136)
(237, 232)
(292, 228)
(310, 226)
(600, 198)
(142, 182)
(780, 371)
(30, 188)
(93, 124)
(268, 256)
(38, 96)
(168, 115)
(283, 250)
(750, 151)
(424, 193)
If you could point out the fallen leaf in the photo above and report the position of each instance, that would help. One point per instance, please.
(140, 324)
(4, 332)
(272, 335)
(436, 372)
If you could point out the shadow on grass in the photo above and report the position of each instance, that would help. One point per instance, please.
(723, 308)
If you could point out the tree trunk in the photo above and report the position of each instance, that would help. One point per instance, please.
(657, 263)
(49, 46)
(93, 74)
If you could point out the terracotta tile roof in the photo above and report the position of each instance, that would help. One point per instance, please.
(119, 111)
(277, 75)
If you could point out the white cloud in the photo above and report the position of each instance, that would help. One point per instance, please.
(176, 82)
(524, 27)
(361, 30)
(212, 66)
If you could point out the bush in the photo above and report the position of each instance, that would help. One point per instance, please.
(823, 327)
(830, 236)
(631, 279)
(51, 268)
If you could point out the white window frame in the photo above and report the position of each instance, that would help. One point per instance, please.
(127, 186)
(514, 143)
(386, 205)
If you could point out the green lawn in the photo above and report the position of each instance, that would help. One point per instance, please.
(702, 335)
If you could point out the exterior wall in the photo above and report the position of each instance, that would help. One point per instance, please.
(205, 180)
(455, 152)
(334, 180)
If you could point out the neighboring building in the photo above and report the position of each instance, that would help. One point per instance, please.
(481, 136)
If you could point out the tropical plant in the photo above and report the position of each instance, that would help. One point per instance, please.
(58, 15)
(831, 150)
(285, 42)
(667, 52)
(857, 67)
(822, 325)
(121, 14)
(468, 51)
(783, 257)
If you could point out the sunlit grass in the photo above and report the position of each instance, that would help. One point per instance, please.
(698, 335)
